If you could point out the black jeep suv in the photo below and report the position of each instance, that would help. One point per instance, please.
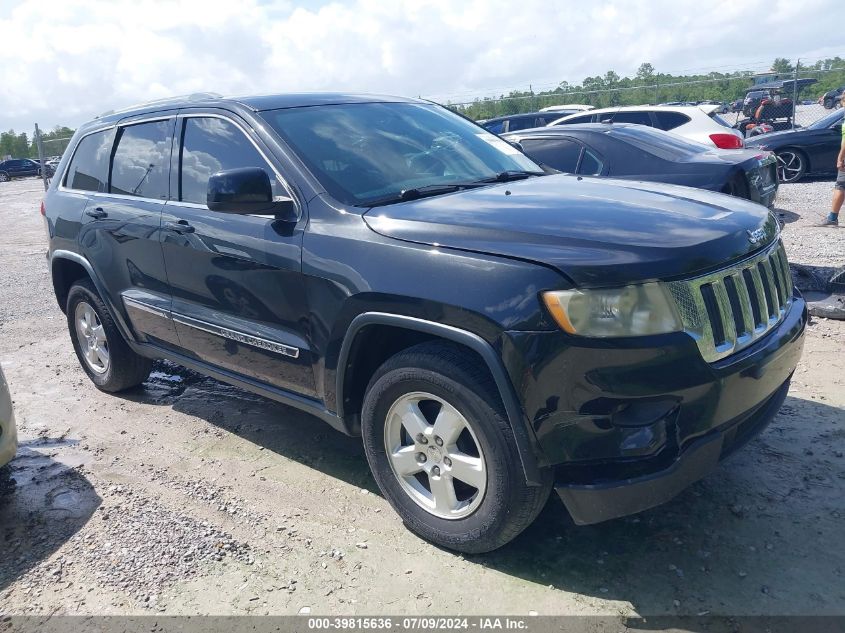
(490, 330)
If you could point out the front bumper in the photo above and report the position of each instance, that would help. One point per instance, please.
(600, 502)
(627, 424)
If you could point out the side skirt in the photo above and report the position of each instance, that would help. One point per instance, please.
(308, 405)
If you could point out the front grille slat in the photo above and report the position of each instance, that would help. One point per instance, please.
(728, 310)
(759, 297)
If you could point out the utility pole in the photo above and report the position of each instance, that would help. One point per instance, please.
(41, 160)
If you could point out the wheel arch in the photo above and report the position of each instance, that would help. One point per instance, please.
(66, 267)
(396, 332)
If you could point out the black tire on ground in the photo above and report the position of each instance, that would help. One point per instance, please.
(126, 369)
(448, 372)
(828, 103)
(4, 177)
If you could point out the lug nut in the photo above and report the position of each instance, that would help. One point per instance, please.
(435, 471)
(438, 440)
(447, 461)
(422, 439)
(421, 458)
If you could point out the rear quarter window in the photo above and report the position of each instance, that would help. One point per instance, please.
(670, 120)
(89, 167)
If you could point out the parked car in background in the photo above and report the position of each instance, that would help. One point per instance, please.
(832, 98)
(513, 122)
(804, 151)
(636, 152)
(568, 108)
(490, 331)
(18, 168)
(8, 431)
(698, 123)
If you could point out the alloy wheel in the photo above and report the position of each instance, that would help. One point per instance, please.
(435, 455)
(4, 177)
(790, 166)
(92, 338)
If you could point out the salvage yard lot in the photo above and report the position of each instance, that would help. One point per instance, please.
(189, 496)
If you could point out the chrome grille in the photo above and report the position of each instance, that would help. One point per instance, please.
(729, 309)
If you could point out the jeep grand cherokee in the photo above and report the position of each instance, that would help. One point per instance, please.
(490, 330)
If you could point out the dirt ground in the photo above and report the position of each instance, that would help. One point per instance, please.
(188, 496)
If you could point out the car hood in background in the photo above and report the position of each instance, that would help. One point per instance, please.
(598, 232)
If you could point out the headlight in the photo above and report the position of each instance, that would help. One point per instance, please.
(630, 311)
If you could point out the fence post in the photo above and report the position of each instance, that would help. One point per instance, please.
(795, 92)
(41, 160)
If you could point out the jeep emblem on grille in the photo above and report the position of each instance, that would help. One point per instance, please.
(756, 236)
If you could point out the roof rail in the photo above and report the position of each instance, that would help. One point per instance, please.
(194, 96)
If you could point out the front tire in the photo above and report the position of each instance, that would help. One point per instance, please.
(4, 177)
(442, 452)
(792, 165)
(107, 359)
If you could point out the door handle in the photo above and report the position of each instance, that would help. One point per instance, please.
(96, 213)
(181, 226)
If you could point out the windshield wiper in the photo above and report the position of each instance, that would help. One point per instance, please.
(422, 192)
(512, 174)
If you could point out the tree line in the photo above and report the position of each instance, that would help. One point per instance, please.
(22, 146)
(649, 86)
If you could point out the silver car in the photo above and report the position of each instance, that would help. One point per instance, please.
(8, 432)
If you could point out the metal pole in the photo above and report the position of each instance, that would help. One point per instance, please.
(41, 156)
(795, 91)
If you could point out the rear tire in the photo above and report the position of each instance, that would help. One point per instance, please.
(792, 165)
(437, 388)
(103, 353)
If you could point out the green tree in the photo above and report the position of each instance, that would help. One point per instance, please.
(782, 65)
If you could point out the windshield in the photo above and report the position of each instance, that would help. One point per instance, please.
(826, 121)
(663, 144)
(365, 152)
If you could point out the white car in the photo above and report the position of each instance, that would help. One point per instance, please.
(568, 107)
(8, 433)
(697, 123)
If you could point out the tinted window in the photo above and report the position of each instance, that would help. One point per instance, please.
(368, 153)
(560, 153)
(640, 118)
(141, 165)
(497, 127)
(591, 164)
(89, 168)
(525, 123)
(210, 145)
(670, 120)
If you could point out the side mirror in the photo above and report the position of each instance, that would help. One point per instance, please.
(247, 190)
(517, 145)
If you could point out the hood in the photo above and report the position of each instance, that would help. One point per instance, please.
(596, 231)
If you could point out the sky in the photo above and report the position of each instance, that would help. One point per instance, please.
(65, 61)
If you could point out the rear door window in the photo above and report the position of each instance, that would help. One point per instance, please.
(209, 145)
(640, 118)
(560, 153)
(670, 120)
(591, 164)
(141, 165)
(89, 167)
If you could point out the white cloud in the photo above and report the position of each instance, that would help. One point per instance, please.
(67, 60)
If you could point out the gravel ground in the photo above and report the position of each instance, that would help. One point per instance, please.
(187, 496)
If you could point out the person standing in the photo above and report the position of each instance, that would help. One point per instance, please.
(838, 188)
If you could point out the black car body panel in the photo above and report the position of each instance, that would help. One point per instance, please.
(634, 152)
(597, 232)
(819, 142)
(304, 309)
(19, 167)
